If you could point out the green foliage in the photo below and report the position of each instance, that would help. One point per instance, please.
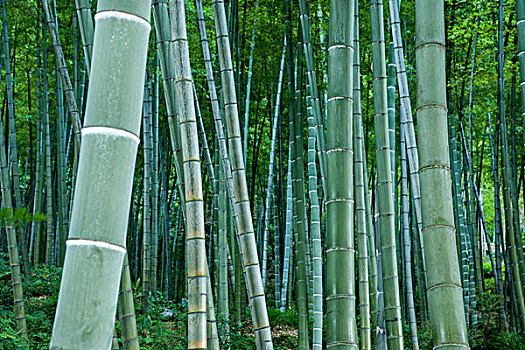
(489, 334)
(41, 295)
(16, 217)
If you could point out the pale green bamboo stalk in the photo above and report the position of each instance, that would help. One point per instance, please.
(315, 229)
(37, 205)
(269, 187)
(223, 255)
(13, 153)
(85, 24)
(249, 86)
(276, 247)
(74, 114)
(211, 322)
(167, 65)
(128, 323)
(512, 236)
(287, 233)
(340, 250)
(359, 193)
(461, 227)
(300, 219)
(312, 81)
(520, 23)
(155, 216)
(384, 183)
(49, 190)
(146, 207)
(95, 250)
(246, 238)
(195, 231)
(406, 118)
(12, 247)
(63, 209)
(359, 136)
(443, 281)
(407, 241)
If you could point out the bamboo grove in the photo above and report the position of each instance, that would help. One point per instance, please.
(358, 162)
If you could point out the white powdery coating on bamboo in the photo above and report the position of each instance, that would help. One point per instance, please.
(122, 15)
(99, 244)
(108, 131)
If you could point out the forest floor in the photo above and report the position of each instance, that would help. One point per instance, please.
(164, 326)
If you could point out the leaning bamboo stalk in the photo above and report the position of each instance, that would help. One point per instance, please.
(246, 237)
(12, 247)
(312, 81)
(406, 118)
(195, 231)
(74, 114)
(85, 24)
(13, 152)
(95, 250)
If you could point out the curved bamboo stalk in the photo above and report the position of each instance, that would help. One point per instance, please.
(195, 232)
(95, 250)
(443, 283)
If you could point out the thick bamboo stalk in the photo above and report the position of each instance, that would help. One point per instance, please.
(340, 250)
(443, 281)
(95, 249)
